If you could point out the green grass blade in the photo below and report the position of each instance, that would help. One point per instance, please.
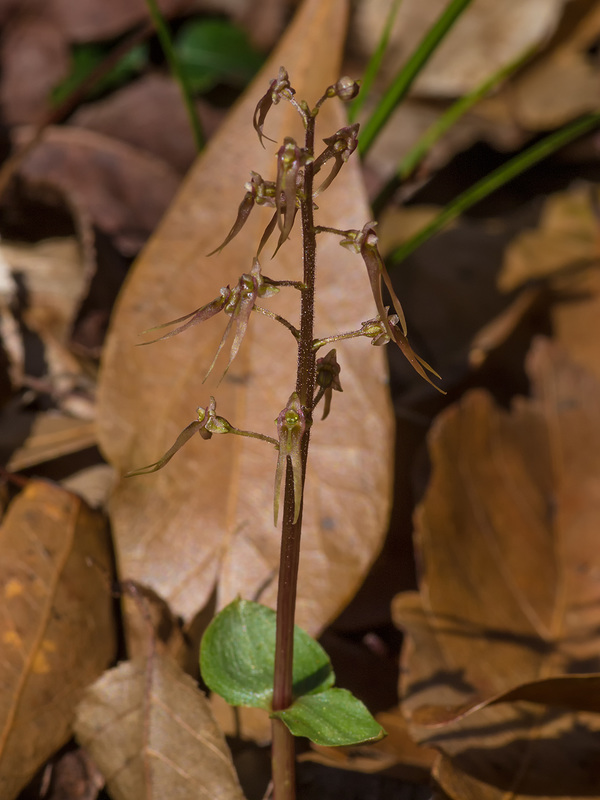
(374, 64)
(166, 42)
(434, 133)
(458, 109)
(495, 180)
(409, 72)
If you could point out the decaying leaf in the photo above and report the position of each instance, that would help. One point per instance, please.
(150, 730)
(124, 190)
(566, 240)
(487, 36)
(47, 436)
(564, 83)
(56, 630)
(206, 519)
(397, 753)
(508, 540)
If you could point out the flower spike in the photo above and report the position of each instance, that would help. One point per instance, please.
(340, 147)
(291, 425)
(278, 88)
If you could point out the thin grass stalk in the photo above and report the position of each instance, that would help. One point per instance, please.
(496, 179)
(374, 65)
(177, 71)
(412, 160)
(408, 74)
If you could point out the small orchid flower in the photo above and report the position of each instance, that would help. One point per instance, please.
(290, 158)
(257, 191)
(278, 88)
(340, 147)
(328, 379)
(239, 307)
(206, 424)
(365, 243)
(291, 425)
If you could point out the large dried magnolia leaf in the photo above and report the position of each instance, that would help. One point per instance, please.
(150, 730)
(207, 518)
(56, 627)
(510, 596)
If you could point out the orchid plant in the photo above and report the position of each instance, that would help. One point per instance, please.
(275, 665)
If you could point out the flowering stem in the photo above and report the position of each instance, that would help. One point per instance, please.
(283, 763)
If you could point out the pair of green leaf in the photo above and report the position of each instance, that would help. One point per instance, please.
(237, 661)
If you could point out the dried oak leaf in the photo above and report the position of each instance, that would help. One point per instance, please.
(566, 239)
(206, 520)
(125, 191)
(563, 83)
(150, 730)
(56, 628)
(486, 37)
(507, 534)
(34, 58)
(149, 114)
(95, 20)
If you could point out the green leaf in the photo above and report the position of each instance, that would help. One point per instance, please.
(86, 57)
(515, 166)
(331, 717)
(213, 51)
(237, 657)
(409, 72)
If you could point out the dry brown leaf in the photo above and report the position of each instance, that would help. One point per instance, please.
(95, 20)
(124, 190)
(35, 58)
(575, 692)
(576, 320)
(149, 113)
(48, 435)
(567, 238)
(507, 533)
(150, 730)
(397, 753)
(56, 629)
(206, 518)
(54, 279)
(564, 83)
(74, 776)
(488, 36)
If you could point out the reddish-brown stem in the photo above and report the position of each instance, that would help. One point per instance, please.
(283, 764)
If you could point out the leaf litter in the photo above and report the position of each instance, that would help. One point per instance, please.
(508, 599)
(554, 703)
